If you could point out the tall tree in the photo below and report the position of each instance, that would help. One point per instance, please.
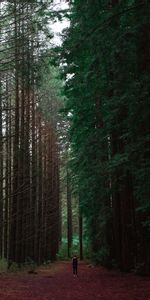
(102, 56)
(29, 183)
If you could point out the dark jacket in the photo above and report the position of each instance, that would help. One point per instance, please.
(74, 261)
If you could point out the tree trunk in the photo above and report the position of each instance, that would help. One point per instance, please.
(69, 214)
(81, 233)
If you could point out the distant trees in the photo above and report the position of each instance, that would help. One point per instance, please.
(29, 164)
(106, 66)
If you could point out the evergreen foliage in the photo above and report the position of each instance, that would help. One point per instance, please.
(29, 166)
(106, 62)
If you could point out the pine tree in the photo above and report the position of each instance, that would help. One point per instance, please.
(29, 205)
(103, 50)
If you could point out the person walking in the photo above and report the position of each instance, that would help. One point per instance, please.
(75, 265)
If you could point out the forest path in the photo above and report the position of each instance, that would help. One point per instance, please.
(56, 282)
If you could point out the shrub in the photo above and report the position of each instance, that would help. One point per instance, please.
(3, 265)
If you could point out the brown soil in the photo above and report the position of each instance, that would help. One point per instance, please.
(56, 282)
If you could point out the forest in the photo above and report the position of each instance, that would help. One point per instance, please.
(75, 133)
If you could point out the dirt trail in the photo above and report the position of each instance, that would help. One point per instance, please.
(57, 283)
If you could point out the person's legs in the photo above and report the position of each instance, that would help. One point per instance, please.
(75, 270)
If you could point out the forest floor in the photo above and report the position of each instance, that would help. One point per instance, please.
(56, 282)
